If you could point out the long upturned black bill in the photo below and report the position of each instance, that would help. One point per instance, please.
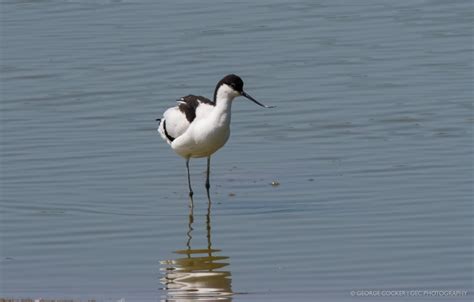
(245, 94)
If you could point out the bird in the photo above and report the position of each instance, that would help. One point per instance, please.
(197, 127)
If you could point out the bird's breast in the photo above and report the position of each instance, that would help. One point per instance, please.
(209, 135)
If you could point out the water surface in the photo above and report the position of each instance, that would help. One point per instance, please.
(371, 143)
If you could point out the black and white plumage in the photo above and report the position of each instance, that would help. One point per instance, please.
(177, 124)
(198, 127)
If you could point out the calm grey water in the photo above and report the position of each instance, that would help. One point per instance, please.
(371, 142)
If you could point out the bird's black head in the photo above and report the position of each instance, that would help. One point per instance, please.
(236, 86)
(232, 80)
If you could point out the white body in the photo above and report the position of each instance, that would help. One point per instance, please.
(209, 130)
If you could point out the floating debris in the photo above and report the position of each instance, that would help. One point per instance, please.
(231, 194)
(275, 183)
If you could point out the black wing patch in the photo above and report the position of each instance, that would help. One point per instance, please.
(189, 103)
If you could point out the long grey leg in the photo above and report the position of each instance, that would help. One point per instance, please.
(189, 179)
(208, 185)
(208, 227)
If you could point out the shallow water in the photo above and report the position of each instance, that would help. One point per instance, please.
(371, 144)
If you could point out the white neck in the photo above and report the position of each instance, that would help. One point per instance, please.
(225, 94)
(224, 97)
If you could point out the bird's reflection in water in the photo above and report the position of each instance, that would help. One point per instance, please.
(197, 275)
